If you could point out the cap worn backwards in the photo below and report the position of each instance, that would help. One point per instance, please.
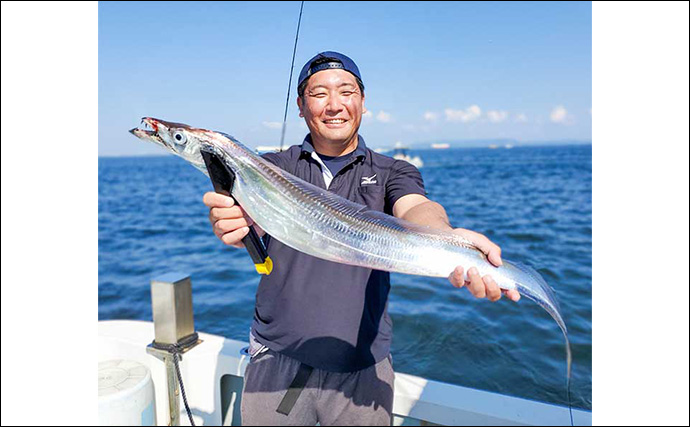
(338, 61)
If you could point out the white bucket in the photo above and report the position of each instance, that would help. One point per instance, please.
(125, 394)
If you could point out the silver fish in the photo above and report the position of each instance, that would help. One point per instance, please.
(322, 224)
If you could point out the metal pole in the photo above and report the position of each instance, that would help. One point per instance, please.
(173, 319)
(173, 391)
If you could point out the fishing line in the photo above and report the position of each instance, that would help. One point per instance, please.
(292, 67)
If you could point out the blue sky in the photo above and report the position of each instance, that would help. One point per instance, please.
(433, 71)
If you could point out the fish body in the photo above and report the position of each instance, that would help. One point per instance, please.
(317, 222)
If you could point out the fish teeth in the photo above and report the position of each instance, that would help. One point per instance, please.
(145, 126)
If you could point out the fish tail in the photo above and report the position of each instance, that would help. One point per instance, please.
(546, 298)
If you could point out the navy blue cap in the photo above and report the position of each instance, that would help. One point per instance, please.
(342, 62)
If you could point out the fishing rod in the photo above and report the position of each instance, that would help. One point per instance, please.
(292, 68)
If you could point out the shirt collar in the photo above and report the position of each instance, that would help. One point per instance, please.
(360, 151)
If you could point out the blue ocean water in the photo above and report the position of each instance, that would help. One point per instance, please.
(534, 202)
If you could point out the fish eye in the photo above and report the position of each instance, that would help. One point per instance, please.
(180, 137)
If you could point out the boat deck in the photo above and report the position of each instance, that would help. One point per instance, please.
(213, 376)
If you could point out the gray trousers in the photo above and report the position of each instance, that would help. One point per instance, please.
(362, 398)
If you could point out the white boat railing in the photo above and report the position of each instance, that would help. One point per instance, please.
(213, 376)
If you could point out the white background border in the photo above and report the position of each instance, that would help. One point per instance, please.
(50, 213)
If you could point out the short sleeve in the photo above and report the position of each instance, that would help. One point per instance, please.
(404, 179)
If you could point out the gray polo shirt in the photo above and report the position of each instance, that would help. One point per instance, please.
(328, 315)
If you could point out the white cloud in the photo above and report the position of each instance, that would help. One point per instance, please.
(521, 118)
(497, 116)
(384, 117)
(559, 114)
(430, 116)
(467, 115)
(273, 125)
(368, 115)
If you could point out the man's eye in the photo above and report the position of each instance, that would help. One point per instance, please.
(346, 93)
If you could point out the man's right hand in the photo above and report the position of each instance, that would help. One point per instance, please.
(230, 222)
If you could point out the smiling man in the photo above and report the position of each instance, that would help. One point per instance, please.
(332, 104)
(321, 335)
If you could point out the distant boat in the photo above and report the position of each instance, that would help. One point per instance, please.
(382, 150)
(267, 148)
(493, 146)
(508, 146)
(401, 152)
(440, 146)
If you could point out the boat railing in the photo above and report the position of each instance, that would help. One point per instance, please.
(213, 376)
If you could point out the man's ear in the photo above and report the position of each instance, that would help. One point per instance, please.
(299, 105)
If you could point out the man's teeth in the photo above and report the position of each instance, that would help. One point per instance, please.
(335, 121)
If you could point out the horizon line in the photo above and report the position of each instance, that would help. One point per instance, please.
(562, 143)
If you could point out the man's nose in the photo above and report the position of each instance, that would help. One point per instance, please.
(334, 104)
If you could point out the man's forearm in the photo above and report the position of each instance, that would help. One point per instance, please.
(429, 213)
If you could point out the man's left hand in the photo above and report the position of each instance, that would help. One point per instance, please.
(481, 287)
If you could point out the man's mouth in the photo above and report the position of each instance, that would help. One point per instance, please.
(334, 121)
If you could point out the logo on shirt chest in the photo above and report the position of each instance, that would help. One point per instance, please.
(368, 180)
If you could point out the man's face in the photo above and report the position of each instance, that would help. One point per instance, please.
(332, 106)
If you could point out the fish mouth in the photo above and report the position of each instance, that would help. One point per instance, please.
(148, 131)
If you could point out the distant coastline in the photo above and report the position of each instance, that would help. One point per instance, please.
(426, 145)
(479, 143)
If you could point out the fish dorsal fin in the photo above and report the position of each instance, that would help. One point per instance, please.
(365, 215)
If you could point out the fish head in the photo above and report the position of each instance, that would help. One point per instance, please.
(178, 138)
